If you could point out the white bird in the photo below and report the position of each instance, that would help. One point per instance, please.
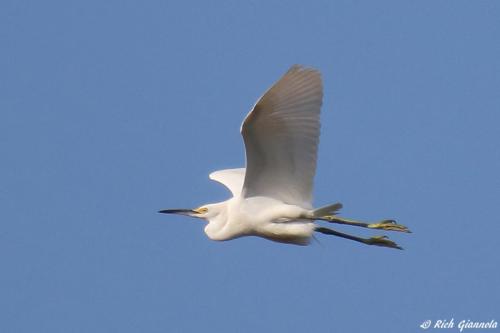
(272, 196)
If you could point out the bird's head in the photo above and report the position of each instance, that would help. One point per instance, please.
(204, 212)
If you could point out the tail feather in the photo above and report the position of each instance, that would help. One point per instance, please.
(327, 210)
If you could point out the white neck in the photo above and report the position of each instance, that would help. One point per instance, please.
(217, 220)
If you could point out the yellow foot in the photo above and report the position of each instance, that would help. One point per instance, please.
(389, 225)
(382, 241)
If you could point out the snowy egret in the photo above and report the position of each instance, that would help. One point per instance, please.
(272, 195)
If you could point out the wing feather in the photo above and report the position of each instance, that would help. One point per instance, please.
(230, 178)
(281, 136)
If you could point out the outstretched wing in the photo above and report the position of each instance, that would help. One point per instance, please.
(281, 136)
(230, 178)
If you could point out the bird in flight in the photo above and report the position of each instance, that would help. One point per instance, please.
(272, 196)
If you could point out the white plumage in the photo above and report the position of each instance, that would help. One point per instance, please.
(272, 196)
(281, 136)
(231, 178)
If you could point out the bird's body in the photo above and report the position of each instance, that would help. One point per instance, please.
(272, 196)
(258, 216)
(255, 216)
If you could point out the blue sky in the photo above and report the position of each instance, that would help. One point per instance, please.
(111, 110)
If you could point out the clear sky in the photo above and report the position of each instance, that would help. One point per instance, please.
(112, 110)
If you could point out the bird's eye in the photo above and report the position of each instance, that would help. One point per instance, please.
(202, 210)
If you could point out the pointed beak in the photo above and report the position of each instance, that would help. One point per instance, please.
(188, 212)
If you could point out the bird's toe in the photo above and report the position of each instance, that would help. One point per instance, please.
(390, 225)
(383, 241)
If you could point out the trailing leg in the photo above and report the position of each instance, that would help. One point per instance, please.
(376, 240)
(327, 214)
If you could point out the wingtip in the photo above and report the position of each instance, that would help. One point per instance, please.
(300, 68)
